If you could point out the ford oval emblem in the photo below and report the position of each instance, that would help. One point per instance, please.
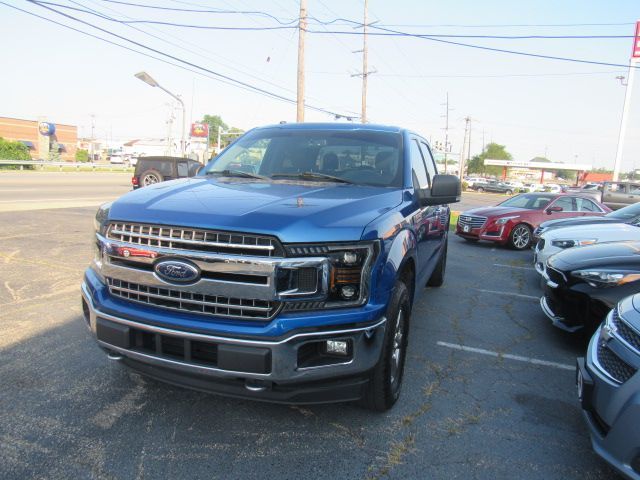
(177, 271)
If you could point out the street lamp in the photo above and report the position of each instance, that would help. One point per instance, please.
(146, 78)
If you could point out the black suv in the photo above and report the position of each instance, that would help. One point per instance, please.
(150, 170)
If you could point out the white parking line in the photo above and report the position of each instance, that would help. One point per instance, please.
(512, 266)
(509, 294)
(508, 356)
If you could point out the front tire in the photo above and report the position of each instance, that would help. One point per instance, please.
(480, 190)
(509, 192)
(520, 237)
(384, 386)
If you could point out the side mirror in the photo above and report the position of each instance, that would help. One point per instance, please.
(444, 189)
(551, 210)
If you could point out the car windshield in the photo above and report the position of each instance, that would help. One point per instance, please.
(627, 213)
(528, 201)
(362, 157)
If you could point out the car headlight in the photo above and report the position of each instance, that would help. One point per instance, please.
(569, 243)
(101, 219)
(606, 278)
(503, 220)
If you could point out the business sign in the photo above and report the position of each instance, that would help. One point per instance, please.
(200, 130)
(635, 53)
(539, 165)
(47, 129)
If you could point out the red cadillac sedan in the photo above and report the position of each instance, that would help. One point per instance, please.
(512, 222)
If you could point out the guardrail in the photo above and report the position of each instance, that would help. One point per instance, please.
(60, 165)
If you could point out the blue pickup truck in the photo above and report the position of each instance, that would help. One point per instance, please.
(285, 271)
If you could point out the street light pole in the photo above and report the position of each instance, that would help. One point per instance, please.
(623, 121)
(146, 78)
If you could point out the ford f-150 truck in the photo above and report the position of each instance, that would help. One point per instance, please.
(285, 271)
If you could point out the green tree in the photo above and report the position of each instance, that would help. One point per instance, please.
(215, 121)
(493, 151)
(82, 155)
(13, 150)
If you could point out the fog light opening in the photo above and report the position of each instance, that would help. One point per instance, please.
(86, 312)
(337, 347)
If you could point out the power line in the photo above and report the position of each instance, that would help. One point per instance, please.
(503, 75)
(185, 62)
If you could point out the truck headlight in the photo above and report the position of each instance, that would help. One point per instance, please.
(348, 276)
(570, 243)
(606, 278)
(100, 221)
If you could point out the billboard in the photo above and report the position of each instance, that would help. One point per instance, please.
(47, 129)
(199, 130)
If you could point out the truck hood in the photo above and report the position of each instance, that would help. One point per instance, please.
(293, 211)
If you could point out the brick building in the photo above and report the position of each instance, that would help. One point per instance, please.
(27, 132)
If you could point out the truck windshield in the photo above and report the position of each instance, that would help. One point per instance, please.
(362, 157)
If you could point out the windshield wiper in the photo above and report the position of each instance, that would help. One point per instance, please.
(312, 176)
(235, 173)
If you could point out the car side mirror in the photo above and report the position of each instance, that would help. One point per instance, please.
(551, 210)
(444, 189)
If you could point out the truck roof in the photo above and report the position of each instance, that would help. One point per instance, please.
(336, 126)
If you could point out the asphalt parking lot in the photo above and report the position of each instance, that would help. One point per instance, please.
(489, 387)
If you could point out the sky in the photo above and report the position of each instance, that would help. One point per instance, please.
(567, 111)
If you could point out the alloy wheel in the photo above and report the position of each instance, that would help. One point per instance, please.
(521, 237)
(397, 351)
(149, 179)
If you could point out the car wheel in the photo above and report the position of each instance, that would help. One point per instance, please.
(385, 383)
(509, 192)
(520, 237)
(480, 189)
(150, 177)
(437, 277)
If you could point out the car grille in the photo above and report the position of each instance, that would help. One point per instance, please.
(555, 276)
(624, 331)
(238, 308)
(613, 365)
(472, 221)
(181, 238)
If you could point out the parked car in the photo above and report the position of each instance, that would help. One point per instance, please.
(116, 159)
(554, 241)
(552, 188)
(494, 187)
(292, 283)
(512, 222)
(620, 194)
(515, 185)
(629, 214)
(152, 170)
(532, 187)
(608, 382)
(584, 284)
(471, 181)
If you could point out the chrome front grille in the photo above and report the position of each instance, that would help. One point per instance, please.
(625, 331)
(214, 305)
(181, 238)
(472, 221)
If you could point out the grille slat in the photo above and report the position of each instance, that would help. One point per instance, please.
(178, 238)
(472, 220)
(238, 308)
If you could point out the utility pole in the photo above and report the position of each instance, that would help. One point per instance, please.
(634, 64)
(302, 26)
(93, 126)
(446, 132)
(365, 66)
(466, 146)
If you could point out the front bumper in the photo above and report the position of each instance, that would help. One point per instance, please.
(261, 369)
(491, 233)
(612, 413)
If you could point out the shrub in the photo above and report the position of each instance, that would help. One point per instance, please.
(465, 185)
(82, 155)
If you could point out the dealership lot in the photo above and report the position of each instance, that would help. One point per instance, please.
(489, 387)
